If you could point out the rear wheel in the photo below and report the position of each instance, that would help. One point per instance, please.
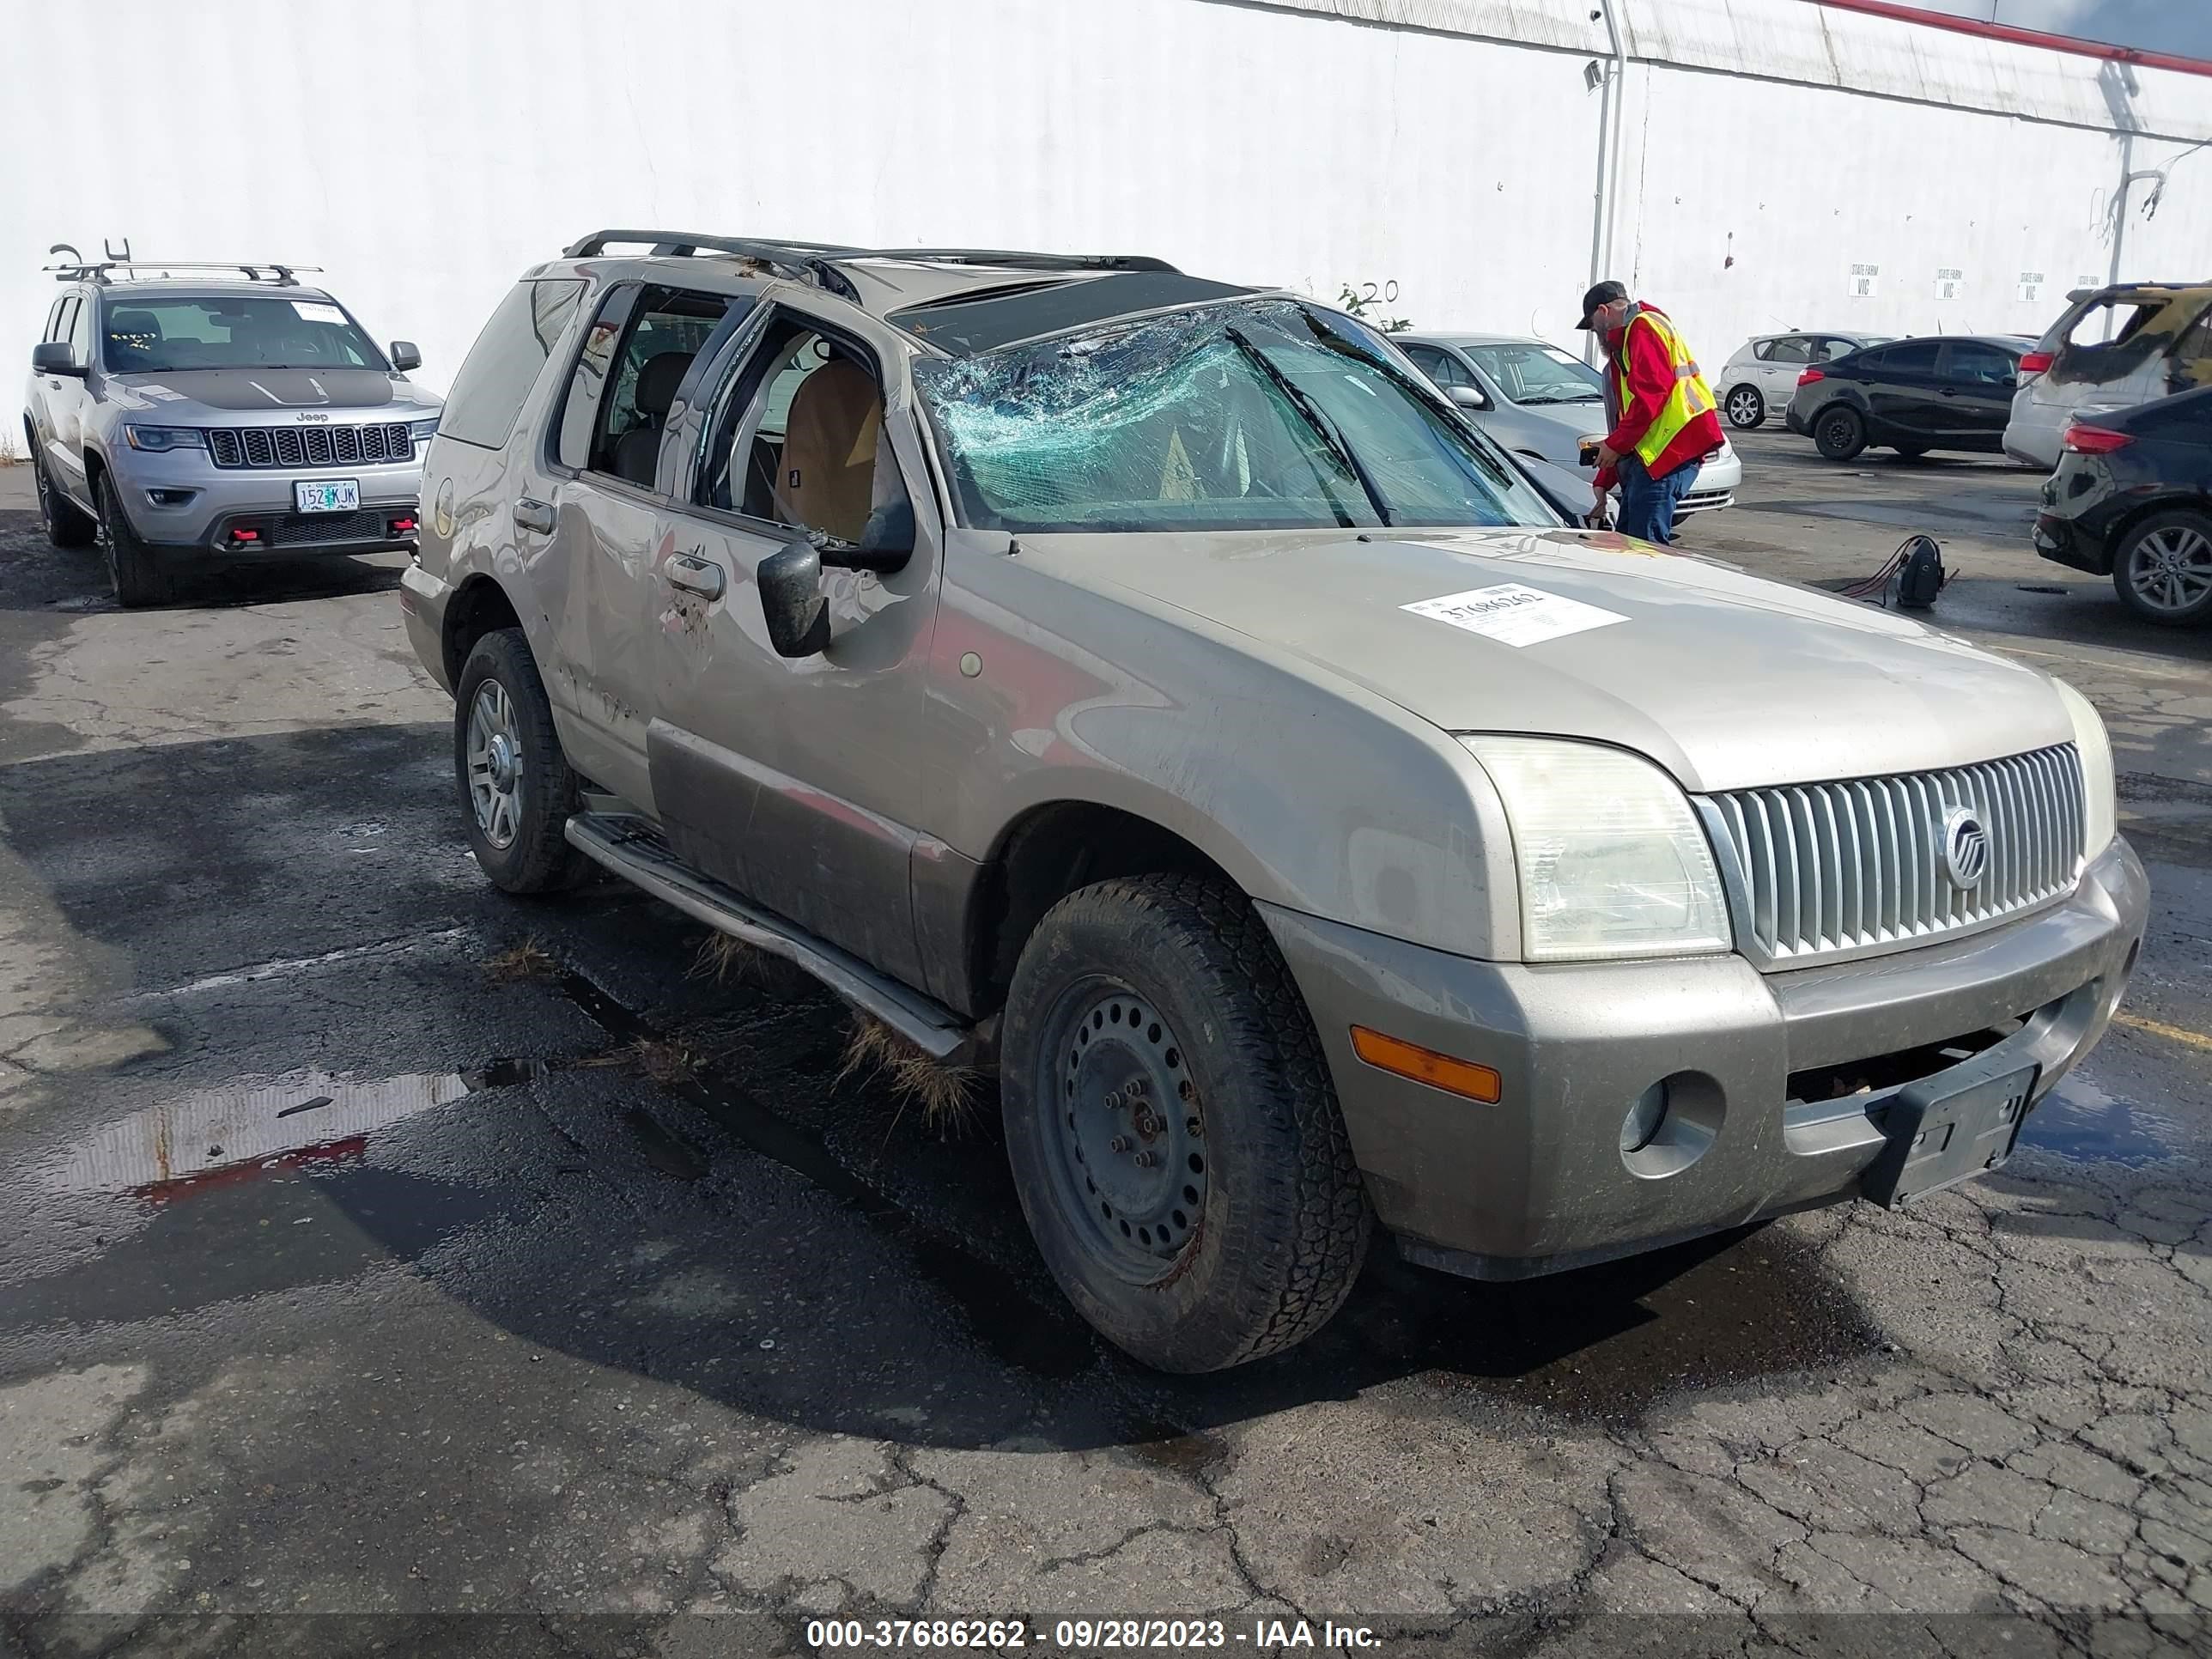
(1746, 407)
(1839, 433)
(67, 524)
(2163, 568)
(134, 570)
(517, 791)
(1173, 1129)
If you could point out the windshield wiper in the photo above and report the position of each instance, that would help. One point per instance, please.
(1567, 397)
(1317, 419)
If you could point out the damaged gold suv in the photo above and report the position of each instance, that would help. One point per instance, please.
(1154, 691)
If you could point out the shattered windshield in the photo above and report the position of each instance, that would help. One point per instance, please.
(1263, 415)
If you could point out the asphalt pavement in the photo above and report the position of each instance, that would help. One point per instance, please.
(391, 1265)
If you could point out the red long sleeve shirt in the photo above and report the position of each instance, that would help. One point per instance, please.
(1651, 382)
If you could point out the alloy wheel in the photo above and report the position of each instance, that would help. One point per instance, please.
(1743, 406)
(496, 764)
(2172, 569)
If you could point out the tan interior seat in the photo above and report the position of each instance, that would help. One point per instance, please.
(828, 471)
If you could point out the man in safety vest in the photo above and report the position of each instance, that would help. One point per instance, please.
(1664, 423)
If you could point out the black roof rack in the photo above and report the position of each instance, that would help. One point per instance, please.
(96, 270)
(817, 262)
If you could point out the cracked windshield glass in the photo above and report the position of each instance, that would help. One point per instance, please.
(1257, 416)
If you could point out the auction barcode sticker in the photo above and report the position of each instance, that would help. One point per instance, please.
(1514, 615)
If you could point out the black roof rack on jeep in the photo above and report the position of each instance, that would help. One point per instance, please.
(96, 270)
(817, 262)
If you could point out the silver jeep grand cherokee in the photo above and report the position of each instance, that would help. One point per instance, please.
(215, 413)
(1154, 691)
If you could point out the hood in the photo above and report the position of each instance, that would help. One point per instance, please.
(231, 391)
(1724, 678)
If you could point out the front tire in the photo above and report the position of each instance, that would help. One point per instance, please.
(134, 570)
(1839, 433)
(67, 525)
(517, 790)
(1745, 407)
(2162, 569)
(1173, 1129)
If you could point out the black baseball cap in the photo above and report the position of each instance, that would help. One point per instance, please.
(1602, 294)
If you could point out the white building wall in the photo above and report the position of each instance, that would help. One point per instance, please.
(441, 146)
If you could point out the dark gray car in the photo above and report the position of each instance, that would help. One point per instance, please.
(1150, 691)
(229, 413)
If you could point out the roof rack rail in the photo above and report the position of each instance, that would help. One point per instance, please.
(817, 262)
(259, 270)
(1014, 259)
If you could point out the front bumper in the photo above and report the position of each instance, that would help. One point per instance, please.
(180, 500)
(1538, 1183)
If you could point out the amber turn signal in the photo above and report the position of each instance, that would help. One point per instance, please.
(1404, 1059)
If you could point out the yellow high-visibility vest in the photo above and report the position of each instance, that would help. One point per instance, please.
(1690, 397)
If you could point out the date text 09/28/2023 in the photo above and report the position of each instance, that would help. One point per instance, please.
(1087, 1635)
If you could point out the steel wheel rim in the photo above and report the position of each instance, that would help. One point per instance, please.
(1740, 408)
(495, 764)
(1125, 1131)
(1835, 433)
(2171, 570)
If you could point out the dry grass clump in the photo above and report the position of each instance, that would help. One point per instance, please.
(946, 1095)
(665, 1062)
(528, 960)
(720, 956)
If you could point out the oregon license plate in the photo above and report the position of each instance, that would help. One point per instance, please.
(328, 495)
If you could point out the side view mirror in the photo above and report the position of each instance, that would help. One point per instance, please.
(55, 357)
(405, 355)
(790, 583)
(1468, 397)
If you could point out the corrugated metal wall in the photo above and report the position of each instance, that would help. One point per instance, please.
(437, 147)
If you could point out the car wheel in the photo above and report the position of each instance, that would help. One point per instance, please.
(517, 791)
(1173, 1127)
(1746, 407)
(2163, 568)
(1839, 433)
(67, 524)
(134, 570)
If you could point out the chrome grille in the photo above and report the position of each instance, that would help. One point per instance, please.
(309, 446)
(1818, 870)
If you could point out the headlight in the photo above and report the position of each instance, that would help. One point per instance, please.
(2099, 813)
(423, 431)
(163, 437)
(1612, 860)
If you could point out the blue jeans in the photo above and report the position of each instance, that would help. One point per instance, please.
(1647, 504)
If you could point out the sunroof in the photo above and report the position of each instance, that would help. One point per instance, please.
(966, 326)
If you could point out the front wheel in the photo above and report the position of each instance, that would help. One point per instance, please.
(2162, 569)
(134, 570)
(1746, 407)
(1839, 433)
(1173, 1129)
(517, 791)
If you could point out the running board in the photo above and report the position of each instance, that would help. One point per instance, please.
(633, 850)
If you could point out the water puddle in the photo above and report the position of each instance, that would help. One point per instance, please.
(301, 1118)
(2085, 1124)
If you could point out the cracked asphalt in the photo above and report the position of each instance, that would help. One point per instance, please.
(389, 1266)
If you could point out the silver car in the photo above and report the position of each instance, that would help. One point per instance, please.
(216, 414)
(1150, 692)
(1545, 403)
(1762, 376)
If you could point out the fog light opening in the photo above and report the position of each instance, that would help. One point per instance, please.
(1646, 1116)
(1670, 1126)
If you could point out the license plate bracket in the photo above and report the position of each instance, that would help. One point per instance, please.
(1940, 1135)
(327, 495)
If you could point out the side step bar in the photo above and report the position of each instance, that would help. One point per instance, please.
(633, 850)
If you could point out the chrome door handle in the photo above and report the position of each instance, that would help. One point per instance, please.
(696, 576)
(531, 513)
